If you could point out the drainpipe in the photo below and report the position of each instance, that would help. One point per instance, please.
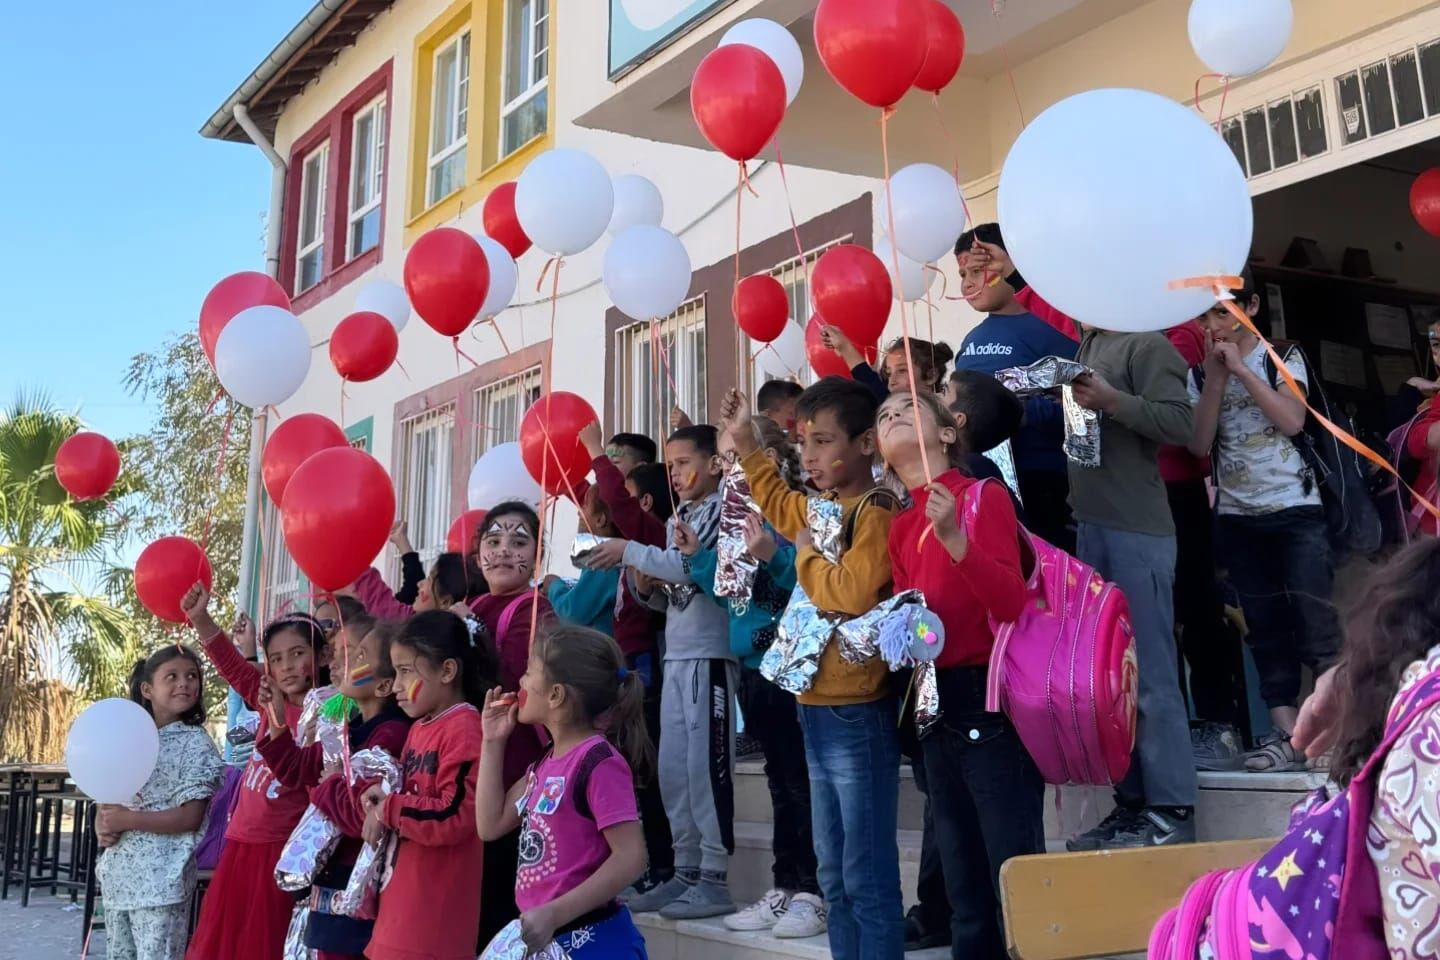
(250, 595)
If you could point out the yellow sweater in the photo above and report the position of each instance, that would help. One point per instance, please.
(854, 585)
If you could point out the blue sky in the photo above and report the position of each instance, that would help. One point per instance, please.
(116, 217)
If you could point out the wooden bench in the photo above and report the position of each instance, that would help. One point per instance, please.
(1074, 906)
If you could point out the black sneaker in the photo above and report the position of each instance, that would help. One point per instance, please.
(1154, 827)
(1102, 835)
(919, 936)
(746, 747)
(1216, 747)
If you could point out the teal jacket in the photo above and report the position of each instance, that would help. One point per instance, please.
(588, 601)
(753, 630)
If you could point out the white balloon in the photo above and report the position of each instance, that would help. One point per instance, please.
(1240, 37)
(777, 43)
(111, 749)
(503, 276)
(637, 200)
(914, 278)
(1170, 206)
(786, 355)
(262, 356)
(563, 201)
(387, 299)
(647, 272)
(929, 212)
(500, 475)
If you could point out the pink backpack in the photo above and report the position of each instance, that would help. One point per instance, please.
(1315, 895)
(1065, 671)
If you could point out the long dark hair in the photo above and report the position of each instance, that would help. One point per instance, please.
(309, 630)
(590, 665)
(1395, 623)
(448, 577)
(439, 635)
(144, 672)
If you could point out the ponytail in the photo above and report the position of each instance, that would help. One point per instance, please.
(439, 635)
(626, 730)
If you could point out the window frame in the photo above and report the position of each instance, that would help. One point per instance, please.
(483, 434)
(379, 108)
(535, 87)
(321, 153)
(644, 395)
(461, 140)
(429, 540)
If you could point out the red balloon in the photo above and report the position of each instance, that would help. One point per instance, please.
(826, 362)
(1425, 201)
(560, 416)
(738, 99)
(945, 47)
(363, 346)
(501, 224)
(762, 307)
(239, 291)
(337, 515)
(164, 573)
(447, 277)
(87, 465)
(461, 537)
(873, 48)
(851, 289)
(296, 440)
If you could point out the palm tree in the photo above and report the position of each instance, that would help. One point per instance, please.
(52, 628)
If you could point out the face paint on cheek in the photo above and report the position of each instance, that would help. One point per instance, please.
(412, 691)
(837, 463)
(362, 675)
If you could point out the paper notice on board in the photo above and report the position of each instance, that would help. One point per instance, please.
(1394, 369)
(1342, 364)
(1388, 326)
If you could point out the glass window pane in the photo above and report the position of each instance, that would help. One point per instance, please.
(1379, 106)
(1430, 75)
(1310, 123)
(379, 149)
(1405, 72)
(1234, 134)
(1282, 134)
(445, 93)
(365, 233)
(362, 161)
(310, 266)
(1257, 141)
(462, 101)
(518, 25)
(1352, 116)
(525, 122)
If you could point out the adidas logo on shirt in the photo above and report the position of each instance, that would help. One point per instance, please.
(988, 350)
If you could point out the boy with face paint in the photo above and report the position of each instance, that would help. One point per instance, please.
(696, 720)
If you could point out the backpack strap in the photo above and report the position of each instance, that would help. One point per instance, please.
(507, 616)
(873, 495)
(1422, 697)
(580, 790)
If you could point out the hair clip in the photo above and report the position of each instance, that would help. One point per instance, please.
(621, 674)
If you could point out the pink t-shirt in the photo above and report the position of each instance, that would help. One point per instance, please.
(561, 837)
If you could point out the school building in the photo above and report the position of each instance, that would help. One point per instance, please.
(386, 118)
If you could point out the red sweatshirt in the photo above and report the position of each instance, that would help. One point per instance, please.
(430, 908)
(512, 646)
(266, 810)
(1178, 464)
(635, 622)
(987, 583)
(379, 600)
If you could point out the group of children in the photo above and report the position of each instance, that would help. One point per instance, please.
(567, 746)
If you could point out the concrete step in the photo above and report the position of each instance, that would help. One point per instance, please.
(751, 866)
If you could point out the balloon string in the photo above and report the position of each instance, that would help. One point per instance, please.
(1224, 94)
(1015, 92)
(664, 352)
(455, 342)
(219, 474)
(344, 665)
(795, 232)
(402, 368)
(342, 401)
(569, 487)
(219, 392)
(661, 412)
(794, 374)
(954, 146)
(495, 322)
(742, 183)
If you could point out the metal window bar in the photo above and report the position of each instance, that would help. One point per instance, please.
(499, 407)
(644, 391)
(793, 274)
(428, 442)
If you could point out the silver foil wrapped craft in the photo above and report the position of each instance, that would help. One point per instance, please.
(244, 730)
(805, 630)
(735, 568)
(583, 547)
(307, 851)
(1003, 457)
(927, 697)
(314, 727)
(1082, 426)
(362, 893)
(509, 944)
(295, 948)
(859, 638)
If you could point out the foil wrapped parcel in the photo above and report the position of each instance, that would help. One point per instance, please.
(859, 638)
(927, 697)
(735, 568)
(295, 948)
(362, 893)
(583, 547)
(509, 944)
(1003, 456)
(1082, 426)
(804, 630)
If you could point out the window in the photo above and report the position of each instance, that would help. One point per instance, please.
(310, 256)
(367, 178)
(785, 358)
(652, 381)
(449, 113)
(1277, 134)
(499, 407)
(285, 588)
(525, 112)
(427, 442)
(361, 443)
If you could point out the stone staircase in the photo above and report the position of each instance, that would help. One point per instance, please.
(1233, 806)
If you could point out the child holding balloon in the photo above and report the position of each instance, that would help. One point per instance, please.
(245, 915)
(147, 869)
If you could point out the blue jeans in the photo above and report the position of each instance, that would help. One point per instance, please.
(1162, 773)
(854, 757)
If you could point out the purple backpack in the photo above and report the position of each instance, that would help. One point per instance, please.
(1314, 896)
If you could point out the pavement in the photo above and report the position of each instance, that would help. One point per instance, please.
(48, 929)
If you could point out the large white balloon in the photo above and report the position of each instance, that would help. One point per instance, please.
(387, 299)
(500, 475)
(262, 356)
(914, 279)
(637, 200)
(1240, 37)
(563, 201)
(777, 43)
(929, 212)
(1172, 205)
(503, 276)
(111, 750)
(647, 272)
(786, 356)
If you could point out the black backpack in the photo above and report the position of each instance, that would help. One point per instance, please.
(1344, 483)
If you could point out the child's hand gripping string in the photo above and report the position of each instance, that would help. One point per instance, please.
(758, 541)
(739, 422)
(373, 801)
(272, 704)
(591, 439)
(940, 510)
(196, 607)
(500, 716)
(686, 540)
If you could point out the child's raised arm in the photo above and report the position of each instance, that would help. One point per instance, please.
(229, 662)
(495, 814)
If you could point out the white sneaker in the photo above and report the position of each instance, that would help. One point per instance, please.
(805, 917)
(763, 914)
